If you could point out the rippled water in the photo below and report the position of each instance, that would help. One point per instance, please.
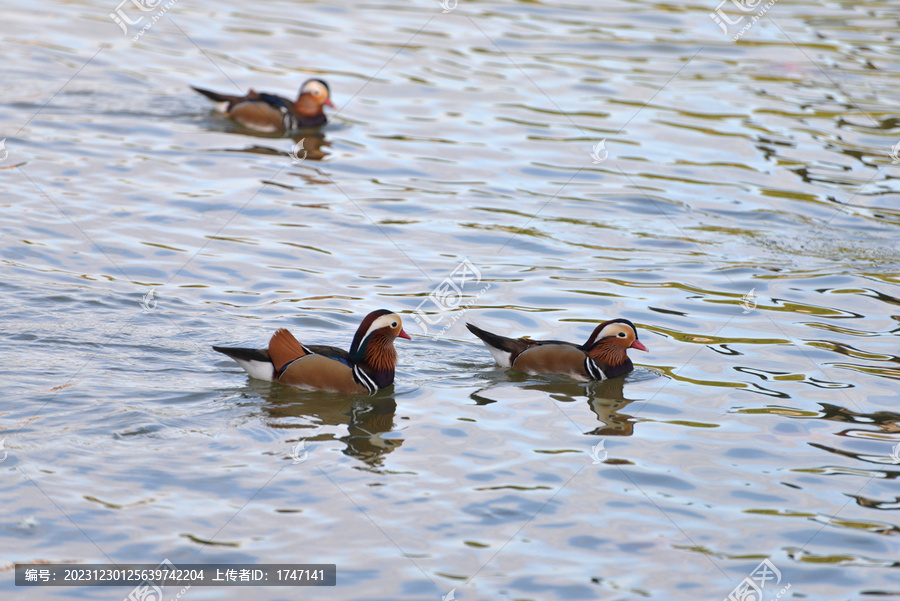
(745, 217)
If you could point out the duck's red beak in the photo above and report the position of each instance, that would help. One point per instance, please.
(329, 103)
(637, 344)
(403, 334)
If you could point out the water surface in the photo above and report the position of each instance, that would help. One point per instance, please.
(745, 218)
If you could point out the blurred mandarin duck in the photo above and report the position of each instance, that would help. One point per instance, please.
(603, 356)
(270, 113)
(368, 367)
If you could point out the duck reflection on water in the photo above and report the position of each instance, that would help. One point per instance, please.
(314, 416)
(606, 399)
(306, 147)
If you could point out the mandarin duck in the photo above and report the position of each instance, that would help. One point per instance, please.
(368, 367)
(270, 113)
(603, 356)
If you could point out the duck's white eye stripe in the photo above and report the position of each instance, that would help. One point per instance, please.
(382, 322)
(315, 88)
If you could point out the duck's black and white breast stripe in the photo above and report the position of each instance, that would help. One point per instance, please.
(593, 370)
(363, 378)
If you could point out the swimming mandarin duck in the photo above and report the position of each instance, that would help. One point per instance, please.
(603, 356)
(270, 113)
(368, 367)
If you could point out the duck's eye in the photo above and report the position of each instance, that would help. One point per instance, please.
(621, 334)
(394, 325)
